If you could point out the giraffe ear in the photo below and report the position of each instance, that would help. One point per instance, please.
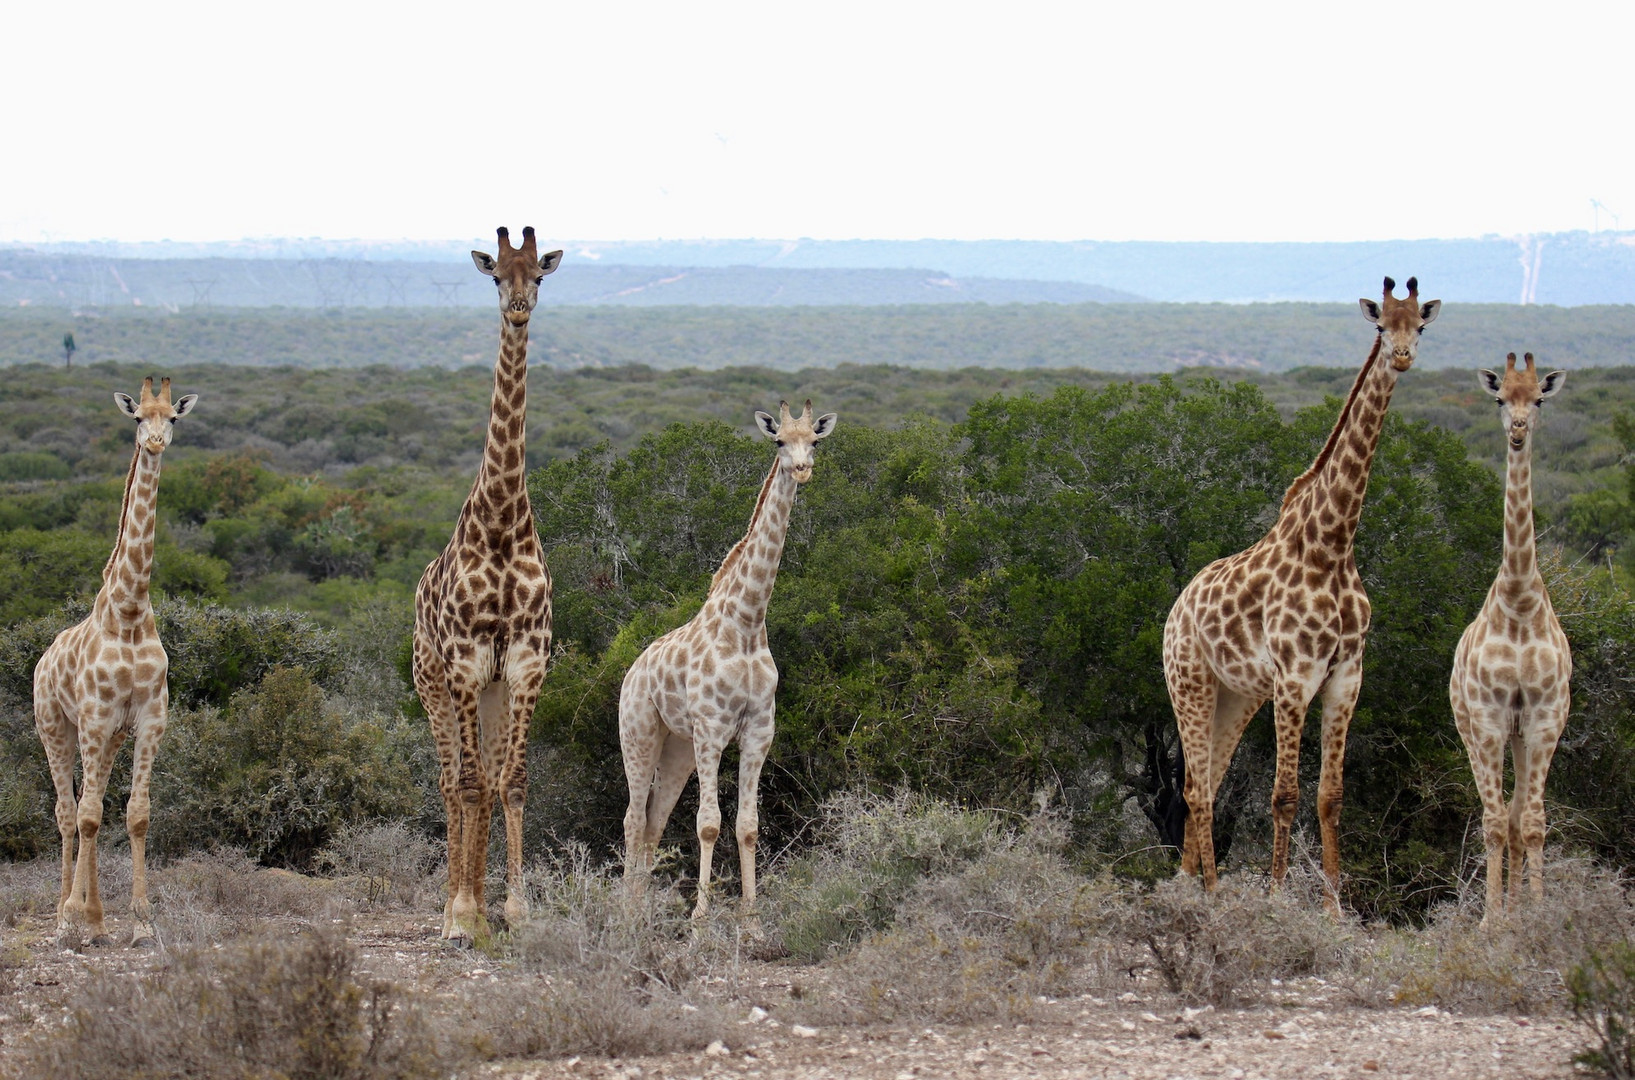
(823, 426)
(1429, 311)
(1551, 383)
(185, 406)
(549, 261)
(485, 263)
(127, 406)
(1370, 309)
(1490, 381)
(767, 423)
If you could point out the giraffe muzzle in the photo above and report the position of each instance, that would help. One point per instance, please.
(1401, 361)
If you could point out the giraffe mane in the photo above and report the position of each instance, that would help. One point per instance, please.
(124, 509)
(1304, 480)
(736, 555)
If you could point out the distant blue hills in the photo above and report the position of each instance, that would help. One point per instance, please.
(1567, 269)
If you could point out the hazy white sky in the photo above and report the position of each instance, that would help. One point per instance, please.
(600, 120)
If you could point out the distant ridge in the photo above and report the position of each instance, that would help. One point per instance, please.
(88, 281)
(1567, 269)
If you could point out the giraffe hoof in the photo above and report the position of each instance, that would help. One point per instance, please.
(142, 934)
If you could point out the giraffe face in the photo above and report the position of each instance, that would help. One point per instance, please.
(796, 436)
(1400, 322)
(1519, 393)
(155, 416)
(517, 274)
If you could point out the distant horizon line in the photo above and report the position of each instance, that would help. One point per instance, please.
(14, 243)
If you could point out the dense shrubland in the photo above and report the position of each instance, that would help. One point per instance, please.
(971, 611)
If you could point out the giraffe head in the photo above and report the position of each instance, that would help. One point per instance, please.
(1400, 322)
(796, 436)
(1519, 393)
(155, 416)
(517, 273)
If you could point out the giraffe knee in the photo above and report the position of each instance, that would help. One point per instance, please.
(516, 795)
(708, 832)
(748, 835)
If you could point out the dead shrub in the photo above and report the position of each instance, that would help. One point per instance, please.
(292, 1008)
(29, 889)
(594, 1012)
(978, 941)
(384, 863)
(1518, 961)
(210, 896)
(1224, 946)
(872, 852)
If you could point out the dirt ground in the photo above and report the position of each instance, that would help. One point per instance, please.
(1311, 1030)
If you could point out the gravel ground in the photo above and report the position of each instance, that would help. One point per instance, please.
(1309, 1032)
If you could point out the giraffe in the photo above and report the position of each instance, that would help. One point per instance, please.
(103, 680)
(1512, 667)
(1287, 618)
(482, 621)
(700, 686)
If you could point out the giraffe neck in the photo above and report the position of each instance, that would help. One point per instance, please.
(1334, 486)
(494, 494)
(1518, 574)
(744, 583)
(124, 592)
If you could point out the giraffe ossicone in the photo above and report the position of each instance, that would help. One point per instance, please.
(482, 620)
(699, 687)
(103, 680)
(1286, 619)
(1512, 668)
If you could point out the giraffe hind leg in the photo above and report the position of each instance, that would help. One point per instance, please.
(1192, 694)
(641, 743)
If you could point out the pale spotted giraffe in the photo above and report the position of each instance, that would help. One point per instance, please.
(103, 680)
(482, 621)
(700, 686)
(1512, 668)
(1287, 618)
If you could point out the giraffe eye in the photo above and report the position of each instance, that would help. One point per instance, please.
(780, 442)
(539, 279)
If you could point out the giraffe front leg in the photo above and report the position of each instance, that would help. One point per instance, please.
(1516, 849)
(468, 859)
(753, 746)
(57, 735)
(1482, 731)
(137, 815)
(525, 675)
(96, 757)
(1290, 706)
(708, 761)
(1339, 704)
(1541, 748)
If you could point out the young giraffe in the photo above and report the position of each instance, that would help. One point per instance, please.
(1512, 667)
(482, 621)
(1287, 618)
(104, 680)
(700, 686)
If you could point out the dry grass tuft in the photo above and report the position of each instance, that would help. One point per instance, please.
(385, 863)
(1516, 963)
(1006, 921)
(293, 1008)
(212, 896)
(28, 889)
(616, 975)
(1226, 946)
(872, 853)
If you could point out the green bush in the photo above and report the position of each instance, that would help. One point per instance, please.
(1603, 1000)
(277, 772)
(32, 465)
